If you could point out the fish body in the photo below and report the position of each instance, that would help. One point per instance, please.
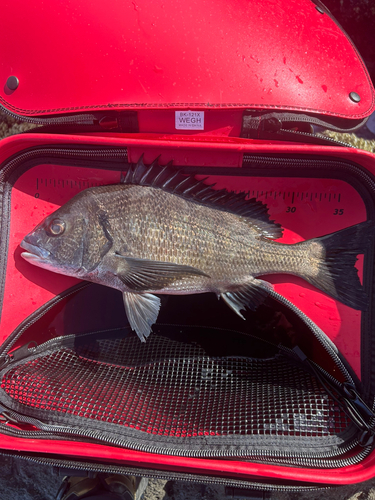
(160, 232)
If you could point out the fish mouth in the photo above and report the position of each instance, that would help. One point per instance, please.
(33, 253)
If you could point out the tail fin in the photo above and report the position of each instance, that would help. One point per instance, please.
(335, 256)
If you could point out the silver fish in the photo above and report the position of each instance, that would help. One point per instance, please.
(162, 232)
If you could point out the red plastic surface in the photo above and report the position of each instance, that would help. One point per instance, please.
(181, 54)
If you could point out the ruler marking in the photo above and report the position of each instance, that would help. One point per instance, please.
(293, 198)
(339, 197)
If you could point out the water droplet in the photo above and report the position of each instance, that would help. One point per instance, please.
(302, 295)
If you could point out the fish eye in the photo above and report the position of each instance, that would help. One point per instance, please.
(56, 227)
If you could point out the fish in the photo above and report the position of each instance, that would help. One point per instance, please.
(160, 231)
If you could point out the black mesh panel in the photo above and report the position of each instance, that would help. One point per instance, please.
(173, 389)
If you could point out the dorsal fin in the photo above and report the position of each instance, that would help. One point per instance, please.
(173, 181)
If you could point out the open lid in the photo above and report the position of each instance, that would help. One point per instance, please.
(73, 57)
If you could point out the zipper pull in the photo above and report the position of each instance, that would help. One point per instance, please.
(5, 417)
(17, 354)
(108, 122)
(22, 352)
(360, 413)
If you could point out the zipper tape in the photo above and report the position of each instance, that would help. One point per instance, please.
(283, 486)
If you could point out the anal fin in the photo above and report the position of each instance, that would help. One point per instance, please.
(248, 296)
(142, 311)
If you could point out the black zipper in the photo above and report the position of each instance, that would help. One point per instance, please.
(166, 475)
(127, 121)
(82, 119)
(5, 358)
(115, 121)
(58, 152)
(303, 163)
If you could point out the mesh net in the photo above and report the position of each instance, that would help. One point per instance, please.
(174, 389)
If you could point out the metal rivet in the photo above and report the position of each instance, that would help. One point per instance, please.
(354, 96)
(319, 9)
(12, 83)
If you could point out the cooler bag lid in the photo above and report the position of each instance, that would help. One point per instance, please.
(73, 57)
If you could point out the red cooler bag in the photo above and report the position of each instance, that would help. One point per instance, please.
(229, 97)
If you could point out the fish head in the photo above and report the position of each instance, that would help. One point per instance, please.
(58, 242)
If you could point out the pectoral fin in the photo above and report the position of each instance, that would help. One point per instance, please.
(249, 296)
(142, 311)
(142, 274)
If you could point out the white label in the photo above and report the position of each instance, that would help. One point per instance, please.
(189, 120)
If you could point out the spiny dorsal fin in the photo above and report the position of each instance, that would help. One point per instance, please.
(173, 181)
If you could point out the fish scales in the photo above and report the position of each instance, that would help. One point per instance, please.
(160, 232)
(189, 234)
